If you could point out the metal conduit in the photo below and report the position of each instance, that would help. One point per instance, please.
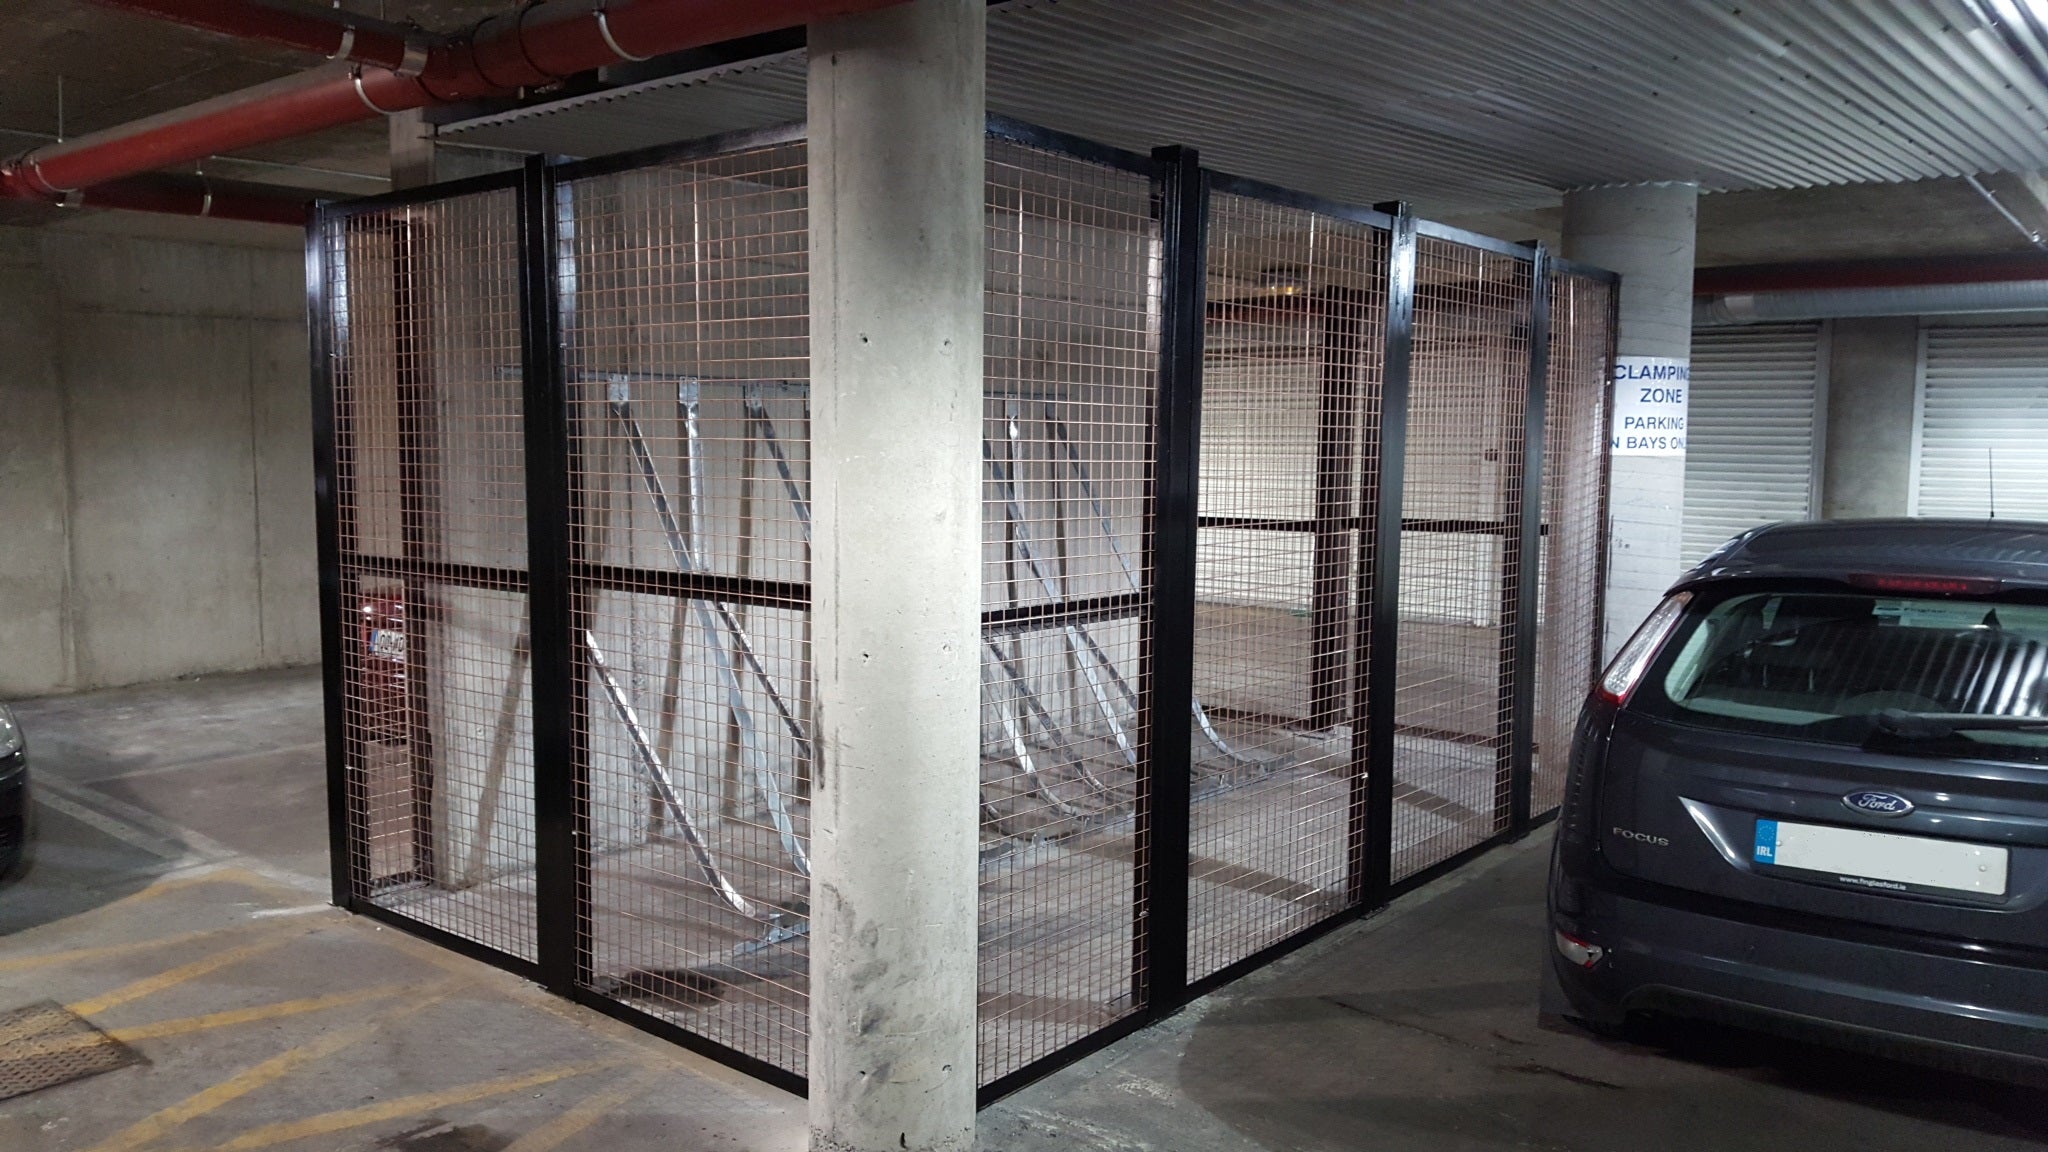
(1824, 304)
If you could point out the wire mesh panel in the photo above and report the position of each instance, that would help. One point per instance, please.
(1290, 432)
(667, 614)
(1574, 475)
(1072, 362)
(1460, 516)
(685, 306)
(424, 329)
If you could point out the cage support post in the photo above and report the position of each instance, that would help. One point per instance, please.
(331, 509)
(1372, 759)
(560, 893)
(1159, 977)
(1525, 552)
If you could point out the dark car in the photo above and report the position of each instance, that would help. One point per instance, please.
(14, 806)
(1810, 795)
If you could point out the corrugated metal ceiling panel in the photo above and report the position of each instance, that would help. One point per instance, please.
(1458, 105)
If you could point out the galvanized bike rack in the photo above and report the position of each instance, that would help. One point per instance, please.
(725, 626)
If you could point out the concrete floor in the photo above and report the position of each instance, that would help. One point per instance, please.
(1418, 1030)
(179, 903)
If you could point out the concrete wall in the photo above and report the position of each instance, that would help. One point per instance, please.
(1873, 364)
(156, 489)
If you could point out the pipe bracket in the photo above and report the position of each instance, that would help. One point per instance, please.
(414, 61)
(365, 96)
(604, 29)
(35, 171)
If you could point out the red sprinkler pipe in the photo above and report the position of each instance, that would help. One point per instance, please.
(534, 46)
(193, 196)
(328, 32)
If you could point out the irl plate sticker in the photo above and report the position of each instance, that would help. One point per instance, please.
(1766, 842)
(1649, 405)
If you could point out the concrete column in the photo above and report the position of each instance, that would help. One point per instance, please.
(35, 476)
(1645, 232)
(417, 158)
(1873, 378)
(896, 179)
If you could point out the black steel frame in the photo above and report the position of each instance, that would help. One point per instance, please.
(1357, 554)
(1522, 566)
(1161, 962)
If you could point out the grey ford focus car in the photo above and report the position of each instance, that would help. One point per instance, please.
(1810, 795)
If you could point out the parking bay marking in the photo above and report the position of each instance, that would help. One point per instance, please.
(327, 1123)
(150, 986)
(590, 1110)
(164, 1120)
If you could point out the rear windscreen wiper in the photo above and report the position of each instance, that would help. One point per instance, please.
(1935, 725)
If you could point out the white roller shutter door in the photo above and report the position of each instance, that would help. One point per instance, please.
(1751, 436)
(1982, 436)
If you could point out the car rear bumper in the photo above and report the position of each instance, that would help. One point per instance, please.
(1894, 999)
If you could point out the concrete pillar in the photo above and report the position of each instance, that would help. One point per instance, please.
(1873, 378)
(35, 476)
(1645, 232)
(896, 155)
(417, 158)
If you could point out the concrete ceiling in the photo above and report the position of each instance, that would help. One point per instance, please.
(1846, 222)
(118, 67)
(1457, 105)
(1477, 110)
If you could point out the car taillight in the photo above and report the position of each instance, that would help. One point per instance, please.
(1629, 664)
(1927, 585)
(1578, 951)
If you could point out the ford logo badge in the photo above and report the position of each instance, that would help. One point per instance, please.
(1874, 803)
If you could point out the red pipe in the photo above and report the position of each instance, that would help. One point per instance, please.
(534, 46)
(328, 32)
(192, 196)
(307, 102)
(1907, 272)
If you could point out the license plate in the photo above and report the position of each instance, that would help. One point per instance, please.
(387, 644)
(1884, 861)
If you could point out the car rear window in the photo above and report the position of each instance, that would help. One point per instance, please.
(1934, 677)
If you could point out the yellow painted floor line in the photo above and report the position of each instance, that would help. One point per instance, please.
(226, 1019)
(590, 1110)
(235, 1016)
(255, 1076)
(95, 952)
(193, 877)
(152, 985)
(327, 1123)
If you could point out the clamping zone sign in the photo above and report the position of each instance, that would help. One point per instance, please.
(1650, 394)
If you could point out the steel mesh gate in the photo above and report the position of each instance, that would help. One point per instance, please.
(1260, 609)
(425, 544)
(1293, 377)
